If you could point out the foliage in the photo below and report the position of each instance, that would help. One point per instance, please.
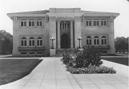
(121, 44)
(67, 59)
(86, 61)
(89, 56)
(6, 42)
(90, 69)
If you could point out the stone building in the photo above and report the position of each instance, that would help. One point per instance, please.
(38, 33)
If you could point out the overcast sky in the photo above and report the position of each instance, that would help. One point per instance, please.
(119, 6)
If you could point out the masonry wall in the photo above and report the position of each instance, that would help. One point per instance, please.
(27, 31)
(92, 31)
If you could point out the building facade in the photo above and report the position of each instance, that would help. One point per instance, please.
(38, 33)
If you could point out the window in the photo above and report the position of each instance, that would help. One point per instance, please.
(96, 40)
(23, 41)
(23, 23)
(39, 23)
(103, 23)
(32, 23)
(88, 41)
(103, 40)
(39, 41)
(97, 23)
(88, 23)
(94, 23)
(31, 41)
(29, 23)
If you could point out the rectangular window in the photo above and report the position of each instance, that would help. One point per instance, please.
(29, 23)
(97, 23)
(22, 24)
(33, 23)
(94, 23)
(90, 23)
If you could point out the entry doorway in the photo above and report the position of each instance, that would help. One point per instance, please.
(65, 41)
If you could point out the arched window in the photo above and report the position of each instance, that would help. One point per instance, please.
(39, 41)
(88, 40)
(31, 41)
(23, 41)
(96, 40)
(103, 40)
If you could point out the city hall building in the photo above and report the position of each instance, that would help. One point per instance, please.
(39, 33)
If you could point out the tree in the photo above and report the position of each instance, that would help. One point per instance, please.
(6, 42)
(121, 44)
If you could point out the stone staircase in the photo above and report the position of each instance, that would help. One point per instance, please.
(60, 52)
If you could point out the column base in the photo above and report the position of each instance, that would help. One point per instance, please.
(52, 52)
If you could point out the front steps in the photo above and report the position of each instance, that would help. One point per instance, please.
(60, 52)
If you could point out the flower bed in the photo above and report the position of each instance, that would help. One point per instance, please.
(85, 62)
(90, 70)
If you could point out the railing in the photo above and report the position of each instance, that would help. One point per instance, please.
(31, 48)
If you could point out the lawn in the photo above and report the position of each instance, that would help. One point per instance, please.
(118, 59)
(14, 69)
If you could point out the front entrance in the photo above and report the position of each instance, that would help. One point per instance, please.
(65, 34)
(65, 41)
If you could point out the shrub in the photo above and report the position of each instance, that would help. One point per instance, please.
(66, 58)
(89, 56)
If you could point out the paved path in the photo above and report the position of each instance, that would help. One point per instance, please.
(51, 74)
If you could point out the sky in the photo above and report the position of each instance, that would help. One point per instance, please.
(121, 25)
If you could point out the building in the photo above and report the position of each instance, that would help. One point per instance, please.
(37, 33)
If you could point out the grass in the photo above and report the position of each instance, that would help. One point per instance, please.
(14, 69)
(119, 59)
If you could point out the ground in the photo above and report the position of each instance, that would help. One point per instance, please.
(118, 59)
(14, 69)
(51, 74)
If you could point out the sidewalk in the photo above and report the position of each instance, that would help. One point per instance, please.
(51, 74)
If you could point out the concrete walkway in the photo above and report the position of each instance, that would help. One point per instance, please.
(51, 74)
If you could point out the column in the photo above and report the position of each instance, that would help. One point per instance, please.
(58, 34)
(71, 33)
(77, 30)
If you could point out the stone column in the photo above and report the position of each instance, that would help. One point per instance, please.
(77, 30)
(71, 33)
(58, 34)
(111, 36)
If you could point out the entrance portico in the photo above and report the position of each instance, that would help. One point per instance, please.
(65, 31)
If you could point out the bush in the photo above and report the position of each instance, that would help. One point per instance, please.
(66, 59)
(89, 56)
(86, 61)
